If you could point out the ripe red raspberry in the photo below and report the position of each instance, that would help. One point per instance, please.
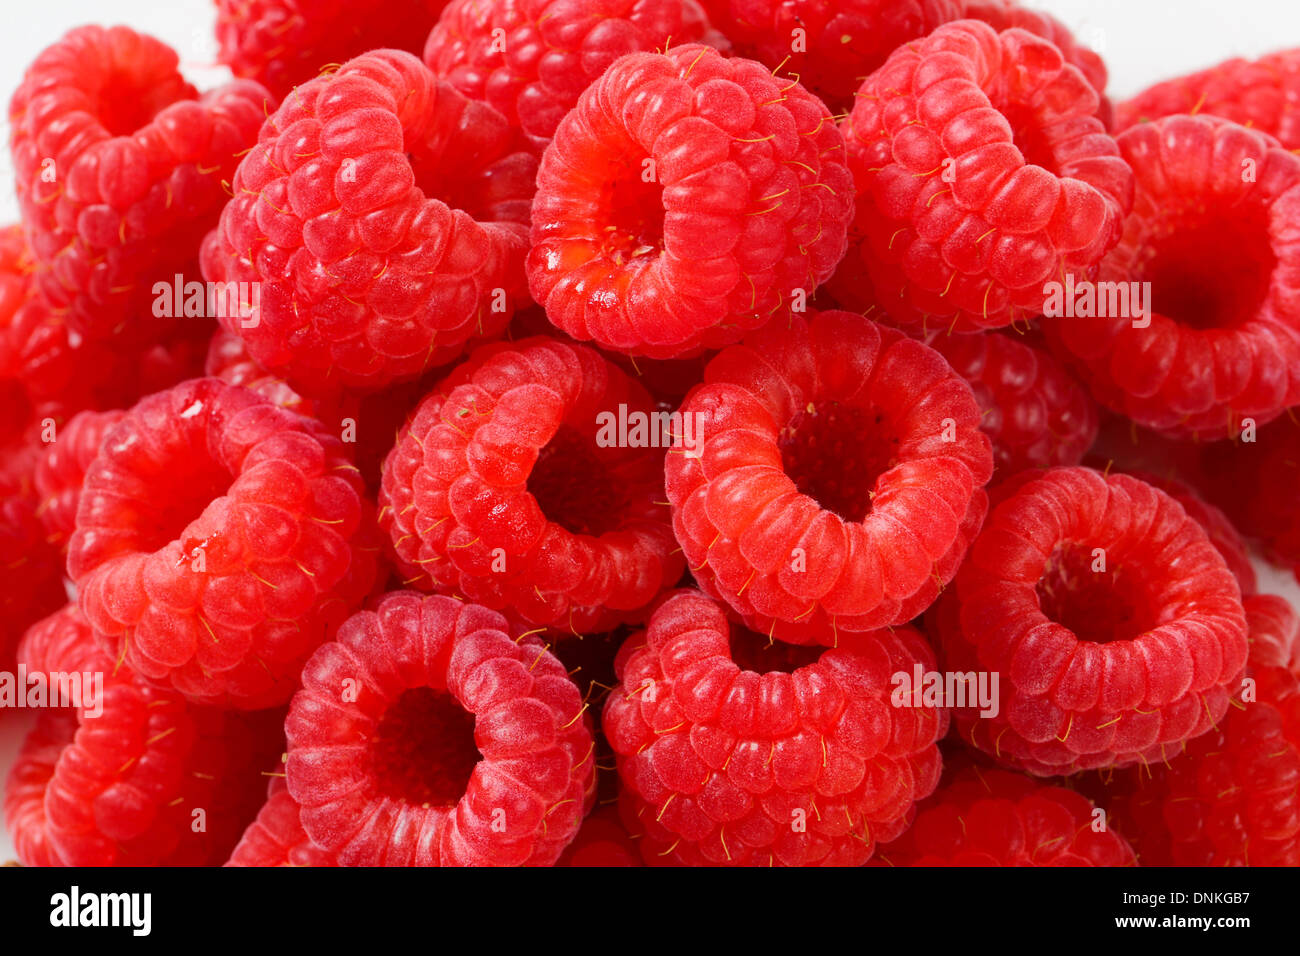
(531, 59)
(1115, 626)
(1260, 94)
(995, 818)
(1034, 412)
(384, 217)
(281, 43)
(687, 199)
(219, 538)
(276, 837)
(510, 487)
(1231, 798)
(832, 47)
(424, 735)
(120, 165)
(839, 481)
(982, 173)
(61, 470)
(733, 750)
(1211, 232)
(120, 787)
(1255, 483)
(602, 841)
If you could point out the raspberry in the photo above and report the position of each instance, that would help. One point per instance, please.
(531, 59)
(460, 746)
(736, 751)
(602, 841)
(982, 173)
(1115, 625)
(120, 165)
(120, 788)
(1231, 798)
(502, 489)
(1255, 483)
(996, 818)
(384, 217)
(1260, 94)
(841, 43)
(1210, 231)
(281, 43)
(685, 200)
(839, 481)
(62, 468)
(1035, 414)
(276, 837)
(218, 540)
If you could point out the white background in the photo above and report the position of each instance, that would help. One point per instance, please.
(1142, 41)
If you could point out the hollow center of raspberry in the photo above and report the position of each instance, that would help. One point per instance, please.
(423, 751)
(1213, 275)
(573, 486)
(127, 102)
(1098, 600)
(752, 651)
(178, 494)
(834, 453)
(634, 211)
(1027, 135)
(459, 185)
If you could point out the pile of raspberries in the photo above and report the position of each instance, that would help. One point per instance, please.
(649, 432)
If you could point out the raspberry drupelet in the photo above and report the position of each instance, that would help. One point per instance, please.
(839, 478)
(1211, 238)
(531, 59)
(282, 43)
(425, 735)
(687, 199)
(994, 818)
(218, 540)
(1114, 624)
(983, 172)
(506, 488)
(736, 751)
(120, 168)
(383, 216)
